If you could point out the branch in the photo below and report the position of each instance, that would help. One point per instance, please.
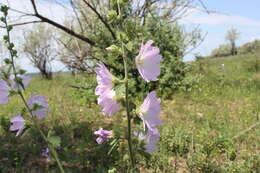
(34, 7)
(65, 29)
(246, 130)
(101, 18)
(79, 87)
(204, 6)
(57, 25)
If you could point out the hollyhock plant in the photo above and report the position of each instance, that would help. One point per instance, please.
(38, 105)
(103, 135)
(149, 111)
(109, 103)
(148, 61)
(17, 124)
(104, 79)
(4, 92)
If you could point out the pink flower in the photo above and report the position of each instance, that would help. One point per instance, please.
(109, 103)
(25, 81)
(151, 139)
(4, 92)
(105, 91)
(149, 111)
(104, 79)
(148, 61)
(18, 124)
(103, 135)
(38, 105)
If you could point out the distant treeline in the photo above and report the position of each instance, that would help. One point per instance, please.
(224, 49)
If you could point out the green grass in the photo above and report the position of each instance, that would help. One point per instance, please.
(203, 127)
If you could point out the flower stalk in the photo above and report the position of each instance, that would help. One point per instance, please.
(129, 130)
(13, 54)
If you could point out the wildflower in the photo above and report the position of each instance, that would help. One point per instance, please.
(105, 90)
(151, 139)
(103, 135)
(149, 111)
(148, 60)
(46, 153)
(25, 80)
(4, 92)
(38, 105)
(109, 103)
(104, 79)
(18, 124)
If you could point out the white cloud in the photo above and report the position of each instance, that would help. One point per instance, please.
(198, 17)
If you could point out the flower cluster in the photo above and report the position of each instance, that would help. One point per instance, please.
(147, 63)
(37, 104)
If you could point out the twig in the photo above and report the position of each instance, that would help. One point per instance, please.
(24, 23)
(57, 25)
(246, 130)
(101, 18)
(79, 87)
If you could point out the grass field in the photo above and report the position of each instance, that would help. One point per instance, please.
(211, 127)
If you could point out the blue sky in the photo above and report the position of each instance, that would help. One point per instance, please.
(245, 8)
(240, 14)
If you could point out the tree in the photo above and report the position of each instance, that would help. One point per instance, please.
(232, 36)
(221, 51)
(39, 46)
(96, 25)
(132, 25)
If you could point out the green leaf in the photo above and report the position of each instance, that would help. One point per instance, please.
(113, 144)
(55, 141)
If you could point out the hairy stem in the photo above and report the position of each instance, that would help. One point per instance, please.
(129, 138)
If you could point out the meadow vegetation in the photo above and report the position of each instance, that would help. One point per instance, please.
(210, 124)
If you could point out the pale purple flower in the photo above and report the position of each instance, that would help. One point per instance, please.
(45, 152)
(103, 135)
(38, 105)
(150, 110)
(104, 79)
(148, 61)
(109, 103)
(151, 139)
(25, 81)
(4, 92)
(17, 124)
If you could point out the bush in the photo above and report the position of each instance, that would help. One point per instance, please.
(222, 50)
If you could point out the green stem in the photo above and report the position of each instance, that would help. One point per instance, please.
(129, 138)
(54, 153)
